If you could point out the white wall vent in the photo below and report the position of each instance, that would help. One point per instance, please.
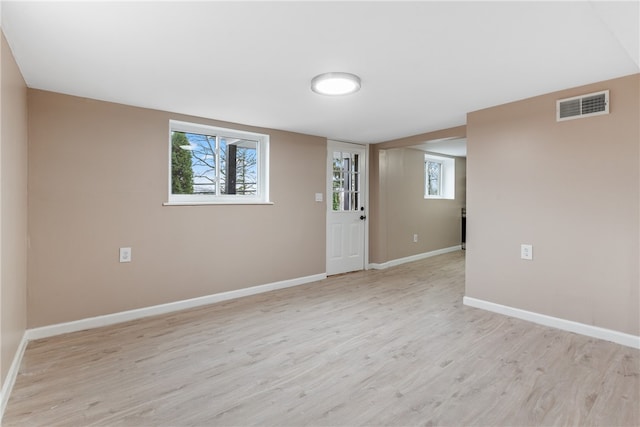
(592, 104)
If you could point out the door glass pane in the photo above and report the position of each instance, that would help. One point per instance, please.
(337, 161)
(354, 163)
(354, 200)
(338, 200)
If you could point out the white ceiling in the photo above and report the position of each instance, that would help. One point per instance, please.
(423, 65)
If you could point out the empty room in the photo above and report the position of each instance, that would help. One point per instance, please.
(319, 213)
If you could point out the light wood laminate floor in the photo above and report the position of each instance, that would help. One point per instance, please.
(392, 347)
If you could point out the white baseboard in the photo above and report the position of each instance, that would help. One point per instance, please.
(628, 340)
(125, 316)
(412, 258)
(12, 374)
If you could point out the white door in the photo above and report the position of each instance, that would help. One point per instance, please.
(346, 207)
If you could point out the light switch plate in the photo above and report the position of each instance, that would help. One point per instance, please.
(125, 254)
(526, 252)
(318, 197)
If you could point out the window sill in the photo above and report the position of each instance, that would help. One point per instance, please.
(438, 198)
(230, 202)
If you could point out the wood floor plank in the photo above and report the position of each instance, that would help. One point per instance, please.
(391, 347)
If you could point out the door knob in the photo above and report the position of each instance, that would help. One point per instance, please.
(363, 217)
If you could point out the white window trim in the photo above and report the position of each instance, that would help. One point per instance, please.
(448, 178)
(262, 196)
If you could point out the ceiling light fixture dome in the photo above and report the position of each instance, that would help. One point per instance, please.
(335, 84)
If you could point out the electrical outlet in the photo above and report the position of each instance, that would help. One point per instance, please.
(526, 252)
(415, 238)
(125, 254)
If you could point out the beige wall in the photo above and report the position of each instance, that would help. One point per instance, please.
(398, 209)
(571, 189)
(13, 207)
(98, 177)
(400, 201)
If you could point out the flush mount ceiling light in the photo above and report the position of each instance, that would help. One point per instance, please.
(335, 84)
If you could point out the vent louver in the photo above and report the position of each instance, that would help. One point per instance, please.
(592, 104)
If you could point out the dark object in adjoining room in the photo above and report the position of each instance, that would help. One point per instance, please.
(464, 227)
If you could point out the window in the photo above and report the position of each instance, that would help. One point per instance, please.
(216, 165)
(440, 177)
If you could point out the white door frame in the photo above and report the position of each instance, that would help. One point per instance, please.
(337, 145)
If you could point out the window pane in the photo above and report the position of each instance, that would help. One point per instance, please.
(238, 166)
(203, 163)
(181, 171)
(192, 163)
(434, 178)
